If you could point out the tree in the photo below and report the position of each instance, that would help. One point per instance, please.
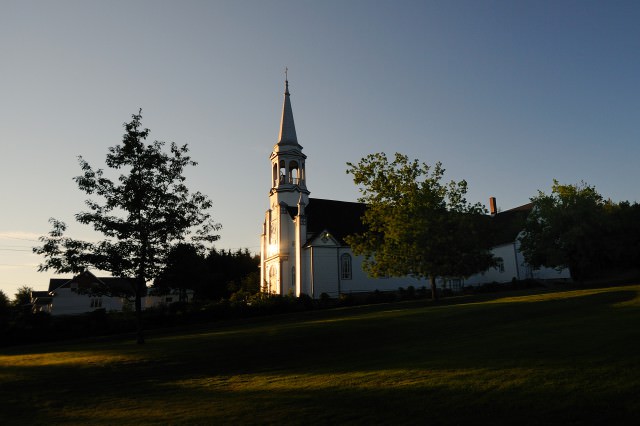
(623, 234)
(575, 227)
(213, 276)
(144, 212)
(567, 229)
(185, 269)
(5, 307)
(228, 271)
(22, 297)
(416, 224)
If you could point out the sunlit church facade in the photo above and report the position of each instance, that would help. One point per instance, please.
(302, 247)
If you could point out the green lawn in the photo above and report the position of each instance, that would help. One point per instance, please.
(570, 357)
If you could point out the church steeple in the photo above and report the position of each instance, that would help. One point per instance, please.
(287, 127)
(288, 177)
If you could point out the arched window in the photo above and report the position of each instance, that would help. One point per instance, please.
(345, 266)
(273, 279)
(283, 172)
(275, 175)
(293, 173)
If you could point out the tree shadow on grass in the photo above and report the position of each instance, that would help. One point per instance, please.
(562, 361)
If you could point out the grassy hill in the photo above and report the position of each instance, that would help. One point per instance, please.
(569, 357)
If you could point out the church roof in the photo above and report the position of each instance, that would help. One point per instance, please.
(340, 218)
(506, 225)
(287, 134)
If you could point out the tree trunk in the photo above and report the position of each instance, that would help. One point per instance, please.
(434, 290)
(140, 335)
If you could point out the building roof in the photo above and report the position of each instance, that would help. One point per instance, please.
(287, 134)
(90, 283)
(41, 297)
(506, 225)
(55, 283)
(342, 218)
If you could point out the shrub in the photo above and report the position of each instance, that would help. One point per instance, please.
(346, 299)
(382, 296)
(325, 300)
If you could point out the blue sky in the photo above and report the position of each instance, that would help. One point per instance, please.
(507, 94)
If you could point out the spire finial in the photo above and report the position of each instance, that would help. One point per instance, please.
(286, 80)
(287, 128)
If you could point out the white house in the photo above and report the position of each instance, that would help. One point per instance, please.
(507, 228)
(302, 247)
(86, 293)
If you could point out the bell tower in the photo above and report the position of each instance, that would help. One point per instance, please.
(284, 228)
(288, 175)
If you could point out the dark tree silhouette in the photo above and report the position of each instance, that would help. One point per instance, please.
(575, 227)
(212, 276)
(146, 211)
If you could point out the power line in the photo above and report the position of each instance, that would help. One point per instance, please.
(17, 238)
(23, 265)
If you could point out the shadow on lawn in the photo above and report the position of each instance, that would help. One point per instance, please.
(564, 361)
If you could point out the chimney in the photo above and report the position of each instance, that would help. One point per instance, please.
(492, 206)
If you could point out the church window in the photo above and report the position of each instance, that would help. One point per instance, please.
(273, 232)
(275, 174)
(273, 279)
(500, 265)
(294, 177)
(283, 172)
(345, 266)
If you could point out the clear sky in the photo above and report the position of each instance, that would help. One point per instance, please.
(507, 94)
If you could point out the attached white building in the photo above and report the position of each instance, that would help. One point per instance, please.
(507, 228)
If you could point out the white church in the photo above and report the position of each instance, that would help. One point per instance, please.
(302, 247)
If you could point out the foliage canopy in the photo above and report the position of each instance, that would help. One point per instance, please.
(143, 213)
(417, 224)
(575, 227)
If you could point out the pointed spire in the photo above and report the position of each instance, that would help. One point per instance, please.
(287, 127)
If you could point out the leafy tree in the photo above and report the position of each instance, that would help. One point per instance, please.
(623, 235)
(416, 224)
(251, 282)
(575, 227)
(22, 297)
(567, 229)
(5, 308)
(144, 213)
(228, 271)
(185, 270)
(213, 276)
(4, 300)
